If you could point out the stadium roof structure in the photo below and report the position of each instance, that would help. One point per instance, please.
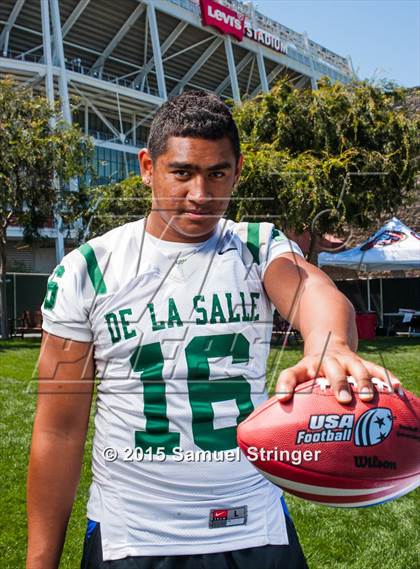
(129, 56)
(123, 59)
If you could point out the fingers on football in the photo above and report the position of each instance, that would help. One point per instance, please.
(358, 371)
(336, 374)
(383, 374)
(288, 380)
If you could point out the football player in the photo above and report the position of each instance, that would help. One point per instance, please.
(173, 314)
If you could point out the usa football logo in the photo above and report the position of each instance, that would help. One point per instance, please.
(373, 427)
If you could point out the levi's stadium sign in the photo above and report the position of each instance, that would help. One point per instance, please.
(224, 19)
(267, 39)
(230, 22)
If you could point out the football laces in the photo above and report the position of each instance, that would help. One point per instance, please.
(323, 383)
(381, 385)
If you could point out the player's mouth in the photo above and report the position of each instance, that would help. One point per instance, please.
(196, 214)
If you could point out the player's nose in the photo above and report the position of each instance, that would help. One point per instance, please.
(198, 192)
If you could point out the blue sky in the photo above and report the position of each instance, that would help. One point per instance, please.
(381, 36)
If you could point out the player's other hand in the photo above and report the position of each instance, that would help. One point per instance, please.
(336, 364)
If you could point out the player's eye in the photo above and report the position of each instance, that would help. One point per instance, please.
(218, 174)
(182, 173)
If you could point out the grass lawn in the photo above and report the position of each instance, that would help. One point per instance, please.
(383, 537)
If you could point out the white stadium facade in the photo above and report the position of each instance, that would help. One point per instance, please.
(123, 58)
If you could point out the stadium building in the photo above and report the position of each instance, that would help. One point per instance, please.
(123, 59)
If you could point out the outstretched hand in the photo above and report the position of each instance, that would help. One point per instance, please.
(336, 364)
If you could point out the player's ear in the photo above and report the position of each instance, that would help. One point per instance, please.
(239, 165)
(238, 170)
(146, 165)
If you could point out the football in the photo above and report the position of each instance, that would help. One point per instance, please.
(360, 454)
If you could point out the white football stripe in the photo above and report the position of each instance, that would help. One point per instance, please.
(384, 498)
(320, 490)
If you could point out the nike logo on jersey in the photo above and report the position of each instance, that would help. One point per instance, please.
(228, 517)
(226, 250)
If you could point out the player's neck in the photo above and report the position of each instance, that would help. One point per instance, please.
(157, 227)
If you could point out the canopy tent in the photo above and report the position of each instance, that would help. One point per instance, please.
(394, 247)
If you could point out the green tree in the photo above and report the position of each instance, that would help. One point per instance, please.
(104, 207)
(320, 160)
(37, 153)
(314, 160)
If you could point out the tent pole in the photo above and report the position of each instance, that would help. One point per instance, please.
(368, 293)
(381, 300)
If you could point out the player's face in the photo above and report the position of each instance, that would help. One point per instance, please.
(191, 186)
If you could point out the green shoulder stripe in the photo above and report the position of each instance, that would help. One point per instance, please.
(277, 235)
(253, 241)
(93, 268)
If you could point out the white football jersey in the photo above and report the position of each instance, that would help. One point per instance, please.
(181, 337)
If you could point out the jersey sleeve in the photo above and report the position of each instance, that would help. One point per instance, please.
(276, 243)
(64, 310)
(261, 243)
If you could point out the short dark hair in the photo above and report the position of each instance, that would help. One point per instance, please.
(194, 114)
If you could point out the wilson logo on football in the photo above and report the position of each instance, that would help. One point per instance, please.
(373, 462)
(373, 427)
